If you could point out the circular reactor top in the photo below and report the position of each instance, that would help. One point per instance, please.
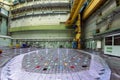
(56, 64)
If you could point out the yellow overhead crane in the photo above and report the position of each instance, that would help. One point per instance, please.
(74, 12)
(77, 5)
(93, 6)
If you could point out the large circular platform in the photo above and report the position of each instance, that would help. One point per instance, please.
(56, 64)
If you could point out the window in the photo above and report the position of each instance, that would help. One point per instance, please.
(117, 40)
(108, 41)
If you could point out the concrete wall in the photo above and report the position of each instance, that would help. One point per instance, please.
(90, 27)
(3, 26)
(5, 41)
(44, 38)
(39, 20)
(44, 35)
(41, 26)
(103, 21)
(28, 14)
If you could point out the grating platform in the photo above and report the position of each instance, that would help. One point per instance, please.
(56, 64)
(52, 61)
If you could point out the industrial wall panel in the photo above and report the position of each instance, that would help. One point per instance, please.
(39, 20)
(116, 21)
(5, 41)
(109, 7)
(3, 26)
(50, 34)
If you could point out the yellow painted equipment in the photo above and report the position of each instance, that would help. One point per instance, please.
(75, 11)
(93, 5)
(78, 35)
(17, 45)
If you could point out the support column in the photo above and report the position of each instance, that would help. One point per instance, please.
(78, 30)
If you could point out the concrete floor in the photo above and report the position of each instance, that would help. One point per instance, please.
(113, 62)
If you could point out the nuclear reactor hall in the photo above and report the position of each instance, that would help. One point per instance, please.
(59, 39)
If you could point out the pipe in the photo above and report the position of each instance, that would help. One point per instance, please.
(93, 5)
